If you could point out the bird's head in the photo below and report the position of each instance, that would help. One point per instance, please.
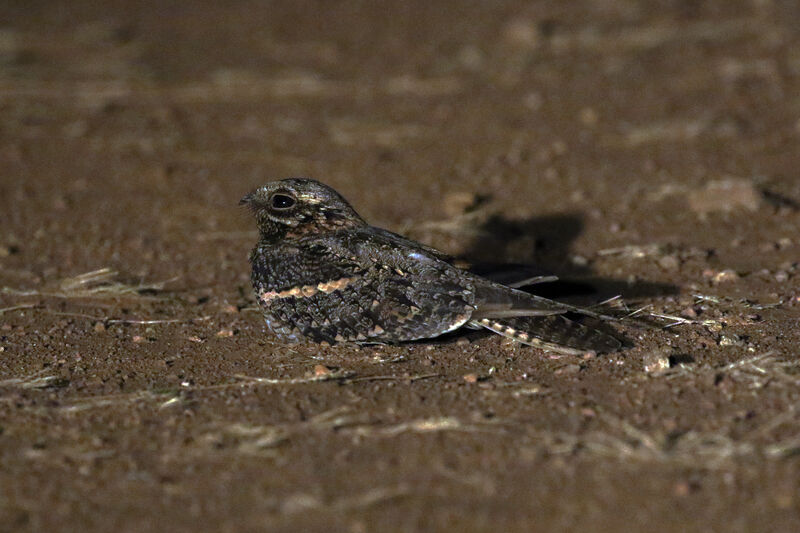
(295, 207)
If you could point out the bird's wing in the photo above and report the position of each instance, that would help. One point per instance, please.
(385, 291)
(395, 252)
(493, 300)
(403, 242)
(511, 275)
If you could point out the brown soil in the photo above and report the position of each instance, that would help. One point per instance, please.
(648, 149)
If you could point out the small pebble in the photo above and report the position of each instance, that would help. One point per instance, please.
(568, 370)
(138, 339)
(533, 101)
(559, 147)
(458, 203)
(669, 262)
(471, 378)
(579, 260)
(551, 174)
(589, 116)
(725, 276)
(470, 57)
(521, 33)
(785, 500)
(99, 327)
(225, 333)
(321, 370)
(682, 489)
(730, 339)
(714, 326)
(656, 362)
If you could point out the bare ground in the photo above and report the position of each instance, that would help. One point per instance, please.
(647, 149)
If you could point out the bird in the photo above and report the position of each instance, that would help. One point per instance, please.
(322, 274)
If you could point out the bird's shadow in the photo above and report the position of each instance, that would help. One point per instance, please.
(543, 245)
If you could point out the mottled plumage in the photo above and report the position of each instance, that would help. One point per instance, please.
(321, 273)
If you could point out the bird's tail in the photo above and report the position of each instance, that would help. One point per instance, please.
(555, 333)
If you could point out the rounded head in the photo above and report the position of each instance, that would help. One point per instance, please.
(298, 206)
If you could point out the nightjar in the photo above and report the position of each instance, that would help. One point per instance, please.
(321, 273)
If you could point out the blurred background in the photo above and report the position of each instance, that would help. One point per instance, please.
(648, 148)
(136, 122)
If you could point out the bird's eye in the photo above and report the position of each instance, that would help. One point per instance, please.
(282, 201)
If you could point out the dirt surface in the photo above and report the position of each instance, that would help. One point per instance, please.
(646, 149)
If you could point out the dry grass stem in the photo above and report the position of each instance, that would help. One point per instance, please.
(426, 425)
(94, 402)
(130, 321)
(255, 439)
(303, 502)
(410, 379)
(676, 320)
(692, 449)
(786, 448)
(34, 381)
(332, 376)
(656, 35)
(759, 370)
(371, 497)
(633, 251)
(96, 284)
(151, 322)
(17, 307)
(231, 85)
(763, 369)
(342, 376)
